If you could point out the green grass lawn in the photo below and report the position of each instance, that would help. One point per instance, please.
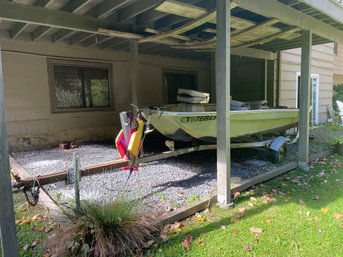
(299, 215)
(33, 227)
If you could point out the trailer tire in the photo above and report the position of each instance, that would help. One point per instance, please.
(276, 156)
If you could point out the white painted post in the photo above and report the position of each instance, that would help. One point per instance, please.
(304, 111)
(134, 61)
(213, 78)
(223, 102)
(8, 232)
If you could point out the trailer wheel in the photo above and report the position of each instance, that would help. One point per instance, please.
(276, 156)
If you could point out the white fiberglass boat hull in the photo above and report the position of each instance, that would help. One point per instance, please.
(187, 126)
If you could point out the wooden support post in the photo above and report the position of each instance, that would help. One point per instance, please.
(213, 78)
(304, 112)
(223, 102)
(134, 61)
(8, 232)
(76, 164)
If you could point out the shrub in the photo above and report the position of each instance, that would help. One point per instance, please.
(111, 229)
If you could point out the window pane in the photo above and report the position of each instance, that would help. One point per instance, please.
(68, 86)
(96, 87)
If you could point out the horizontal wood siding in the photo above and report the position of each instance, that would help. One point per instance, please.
(30, 120)
(322, 64)
(338, 65)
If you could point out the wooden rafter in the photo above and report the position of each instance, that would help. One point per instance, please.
(293, 17)
(267, 38)
(191, 25)
(156, 32)
(181, 9)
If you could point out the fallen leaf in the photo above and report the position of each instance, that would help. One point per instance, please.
(23, 220)
(187, 242)
(38, 217)
(247, 248)
(338, 216)
(237, 216)
(35, 243)
(202, 243)
(242, 210)
(235, 231)
(236, 195)
(26, 247)
(256, 230)
(316, 218)
(268, 221)
(301, 202)
(325, 210)
(251, 204)
(253, 199)
(199, 217)
(319, 230)
(175, 228)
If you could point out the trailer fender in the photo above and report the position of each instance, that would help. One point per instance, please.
(278, 143)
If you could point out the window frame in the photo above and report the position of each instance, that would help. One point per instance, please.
(176, 71)
(78, 64)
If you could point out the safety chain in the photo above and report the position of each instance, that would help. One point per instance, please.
(32, 193)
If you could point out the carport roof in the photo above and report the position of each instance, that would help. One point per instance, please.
(183, 28)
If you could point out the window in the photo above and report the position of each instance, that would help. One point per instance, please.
(79, 86)
(174, 79)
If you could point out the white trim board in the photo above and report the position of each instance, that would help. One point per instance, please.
(313, 76)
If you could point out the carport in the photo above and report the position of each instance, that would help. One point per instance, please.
(191, 29)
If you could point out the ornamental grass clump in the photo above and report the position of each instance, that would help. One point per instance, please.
(117, 228)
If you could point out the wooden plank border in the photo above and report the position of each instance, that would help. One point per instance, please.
(44, 199)
(189, 210)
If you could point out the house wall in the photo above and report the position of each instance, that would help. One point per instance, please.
(338, 65)
(30, 122)
(322, 64)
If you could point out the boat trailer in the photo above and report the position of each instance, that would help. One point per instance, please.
(32, 185)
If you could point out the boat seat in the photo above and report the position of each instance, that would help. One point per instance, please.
(192, 96)
(187, 107)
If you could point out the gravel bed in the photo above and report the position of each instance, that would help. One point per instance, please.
(162, 185)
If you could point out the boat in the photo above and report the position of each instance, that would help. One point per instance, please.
(189, 122)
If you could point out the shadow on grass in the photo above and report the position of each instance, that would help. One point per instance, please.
(309, 187)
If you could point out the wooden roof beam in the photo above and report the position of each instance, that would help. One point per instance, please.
(62, 35)
(20, 27)
(137, 8)
(95, 40)
(267, 38)
(329, 8)
(112, 43)
(79, 38)
(40, 32)
(181, 9)
(17, 29)
(191, 25)
(75, 6)
(291, 16)
(58, 19)
(106, 8)
(156, 32)
(254, 28)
